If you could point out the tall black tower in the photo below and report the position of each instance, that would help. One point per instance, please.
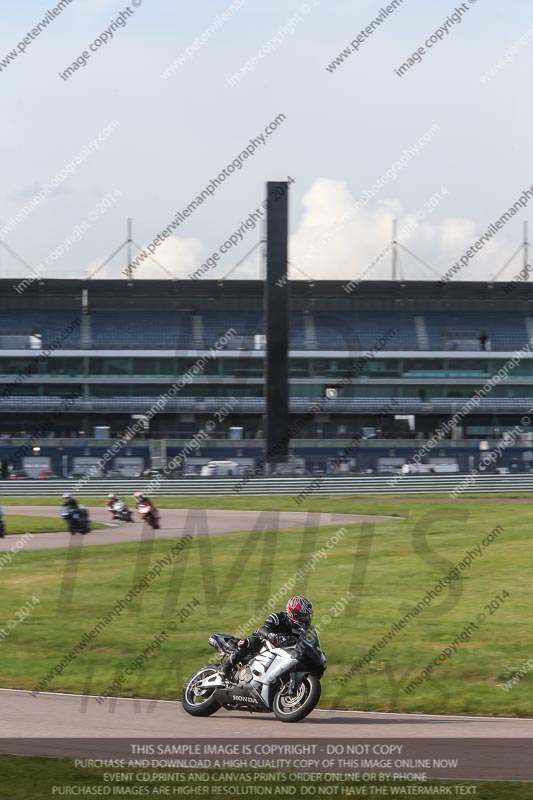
(277, 430)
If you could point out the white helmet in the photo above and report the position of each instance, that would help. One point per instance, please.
(112, 496)
(67, 496)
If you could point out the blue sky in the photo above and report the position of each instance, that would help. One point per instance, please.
(343, 131)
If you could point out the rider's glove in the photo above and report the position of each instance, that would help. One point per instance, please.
(282, 640)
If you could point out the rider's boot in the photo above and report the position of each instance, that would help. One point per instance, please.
(226, 669)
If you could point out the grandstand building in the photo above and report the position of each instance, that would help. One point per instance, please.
(374, 370)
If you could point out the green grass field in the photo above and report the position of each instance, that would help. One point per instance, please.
(341, 504)
(27, 778)
(386, 566)
(24, 523)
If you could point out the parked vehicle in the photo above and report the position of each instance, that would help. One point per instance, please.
(150, 473)
(20, 475)
(48, 474)
(283, 679)
(217, 469)
(77, 520)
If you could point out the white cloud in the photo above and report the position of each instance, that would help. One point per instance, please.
(330, 242)
(179, 256)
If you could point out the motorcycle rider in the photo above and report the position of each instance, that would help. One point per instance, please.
(280, 628)
(110, 502)
(142, 499)
(69, 501)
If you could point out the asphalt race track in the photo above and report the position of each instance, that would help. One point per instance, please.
(51, 715)
(175, 522)
(78, 726)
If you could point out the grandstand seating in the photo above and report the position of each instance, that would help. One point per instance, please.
(362, 330)
(326, 330)
(372, 405)
(50, 324)
(245, 322)
(461, 331)
(415, 330)
(126, 329)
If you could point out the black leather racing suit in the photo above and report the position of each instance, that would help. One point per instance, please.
(277, 628)
(71, 502)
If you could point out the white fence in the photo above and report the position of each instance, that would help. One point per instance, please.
(412, 484)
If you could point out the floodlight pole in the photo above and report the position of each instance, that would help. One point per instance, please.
(395, 250)
(525, 252)
(129, 251)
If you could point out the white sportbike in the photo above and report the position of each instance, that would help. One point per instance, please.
(284, 679)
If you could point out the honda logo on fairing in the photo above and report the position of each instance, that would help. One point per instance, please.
(246, 699)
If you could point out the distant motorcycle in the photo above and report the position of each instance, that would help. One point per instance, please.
(119, 510)
(284, 679)
(2, 525)
(77, 520)
(149, 514)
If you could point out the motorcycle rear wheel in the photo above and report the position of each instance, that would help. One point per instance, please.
(293, 708)
(198, 704)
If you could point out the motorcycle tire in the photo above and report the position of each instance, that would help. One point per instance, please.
(293, 709)
(205, 707)
(151, 520)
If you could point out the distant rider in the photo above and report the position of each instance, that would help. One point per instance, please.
(280, 628)
(69, 501)
(110, 502)
(142, 499)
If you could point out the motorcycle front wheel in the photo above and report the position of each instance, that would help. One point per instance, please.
(293, 708)
(199, 702)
